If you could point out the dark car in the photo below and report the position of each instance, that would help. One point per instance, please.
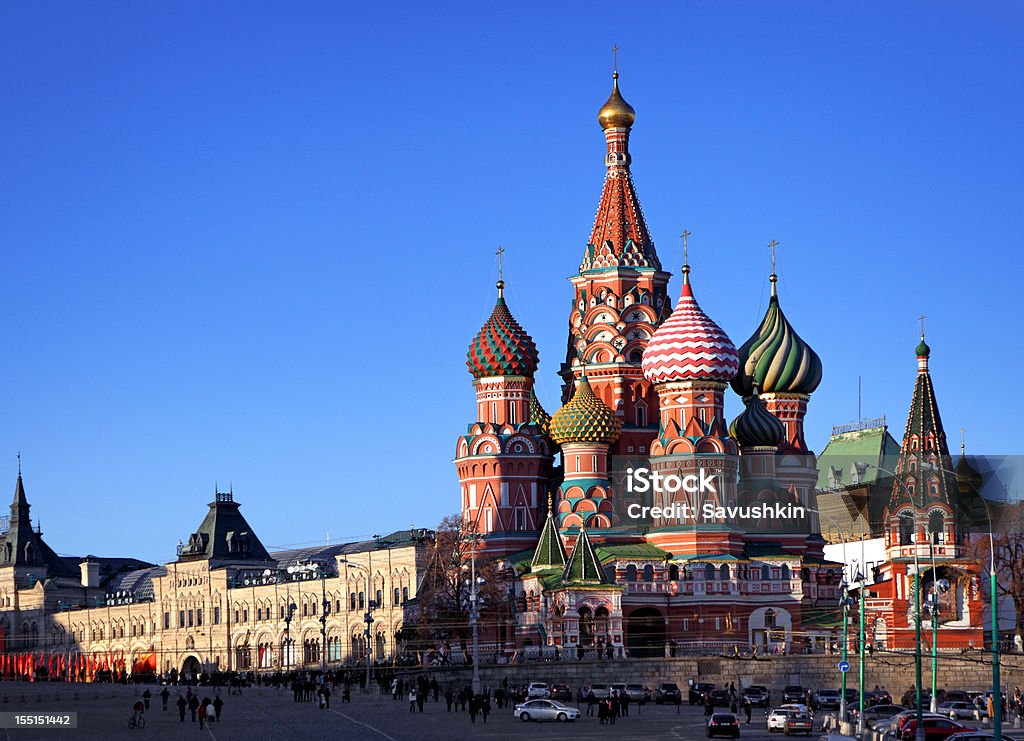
(799, 723)
(697, 690)
(877, 697)
(638, 693)
(827, 700)
(720, 698)
(561, 693)
(935, 729)
(723, 724)
(957, 696)
(876, 713)
(668, 692)
(756, 696)
(793, 693)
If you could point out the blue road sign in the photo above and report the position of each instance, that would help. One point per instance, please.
(844, 666)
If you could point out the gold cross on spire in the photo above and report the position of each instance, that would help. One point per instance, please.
(615, 59)
(922, 318)
(686, 256)
(499, 253)
(773, 277)
(963, 440)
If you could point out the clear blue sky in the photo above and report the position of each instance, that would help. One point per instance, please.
(251, 242)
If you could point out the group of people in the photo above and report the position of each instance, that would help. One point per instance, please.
(735, 703)
(608, 708)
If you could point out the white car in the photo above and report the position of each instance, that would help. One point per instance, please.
(796, 707)
(961, 711)
(777, 719)
(538, 690)
(545, 710)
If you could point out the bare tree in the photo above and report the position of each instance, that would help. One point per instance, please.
(1008, 540)
(443, 600)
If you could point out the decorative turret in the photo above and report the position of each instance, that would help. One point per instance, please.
(538, 416)
(775, 356)
(583, 566)
(756, 427)
(502, 347)
(585, 419)
(549, 553)
(585, 428)
(689, 346)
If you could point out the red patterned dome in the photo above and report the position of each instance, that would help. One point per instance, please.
(688, 346)
(502, 347)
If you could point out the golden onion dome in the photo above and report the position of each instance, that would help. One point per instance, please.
(616, 113)
(585, 419)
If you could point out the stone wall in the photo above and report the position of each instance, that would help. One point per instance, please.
(895, 672)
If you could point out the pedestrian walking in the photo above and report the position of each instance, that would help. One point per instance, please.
(202, 715)
(474, 707)
(164, 694)
(145, 697)
(193, 705)
(449, 697)
(591, 702)
(485, 707)
(412, 700)
(218, 704)
(624, 703)
(182, 703)
(747, 708)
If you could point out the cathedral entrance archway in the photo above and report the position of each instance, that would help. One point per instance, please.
(645, 632)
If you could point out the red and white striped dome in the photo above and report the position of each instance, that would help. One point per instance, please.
(688, 346)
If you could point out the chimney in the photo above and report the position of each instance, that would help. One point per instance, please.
(90, 573)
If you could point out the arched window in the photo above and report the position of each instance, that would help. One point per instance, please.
(766, 573)
(769, 618)
(673, 573)
(785, 573)
(723, 572)
(906, 529)
(641, 415)
(631, 573)
(936, 526)
(709, 572)
(586, 626)
(648, 573)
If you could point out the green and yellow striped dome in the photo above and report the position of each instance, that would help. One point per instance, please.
(585, 419)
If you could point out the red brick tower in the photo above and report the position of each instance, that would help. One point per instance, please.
(504, 460)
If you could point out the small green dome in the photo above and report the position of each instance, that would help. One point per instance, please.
(923, 351)
(585, 419)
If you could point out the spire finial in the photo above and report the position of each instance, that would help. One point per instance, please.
(501, 272)
(963, 441)
(922, 318)
(686, 256)
(549, 502)
(773, 277)
(615, 61)
(19, 464)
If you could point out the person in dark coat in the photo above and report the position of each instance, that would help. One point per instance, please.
(624, 704)
(485, 707)
(474, 707)
(164, 694)
(193, 706)
(182, 703)
(218, 703)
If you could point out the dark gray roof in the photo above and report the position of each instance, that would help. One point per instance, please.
(224, 536)
(138, 582)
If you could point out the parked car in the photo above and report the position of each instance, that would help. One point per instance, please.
(826, 699)
(957, 696)
(669, 693)
(973, 736)
(756, 696)
(877, 697)
(797, 723)
(638, 693)
(793, 693)
(876, 713)
(537, 690)
(545, 710)
(720, 698)
(601, 690)
(561, 692)
(723, 724)
(777, 719)
(901, 719)
(959, 710)
(618, 688)
(697, 690)
(796, 707)
(935, 729)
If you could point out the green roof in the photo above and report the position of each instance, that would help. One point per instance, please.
(836, 463)
(583, 566)
(549, 551)
(607, 553)
(707, 557)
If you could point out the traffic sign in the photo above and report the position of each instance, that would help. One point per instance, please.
(844, 666)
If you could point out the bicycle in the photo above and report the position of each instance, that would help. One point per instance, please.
(136, 721)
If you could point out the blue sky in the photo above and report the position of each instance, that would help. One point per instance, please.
(250, 242)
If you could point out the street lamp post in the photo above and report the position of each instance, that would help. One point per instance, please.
(367, 618)
(997, 699)
(325, 605)
(474, 612)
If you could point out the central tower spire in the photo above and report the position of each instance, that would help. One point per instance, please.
(620, 294)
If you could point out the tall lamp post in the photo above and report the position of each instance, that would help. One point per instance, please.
(367, 618)
(474, 610)
(997, 699)
(325, 606)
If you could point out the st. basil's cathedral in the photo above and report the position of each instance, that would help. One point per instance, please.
(644, 384)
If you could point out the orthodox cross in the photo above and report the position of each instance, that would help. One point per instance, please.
(499, 253)
(922, 318)
(19, 463)
(772, 245)
(686, 233)
(615, 58)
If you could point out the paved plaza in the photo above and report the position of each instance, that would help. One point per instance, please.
(265, 714)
